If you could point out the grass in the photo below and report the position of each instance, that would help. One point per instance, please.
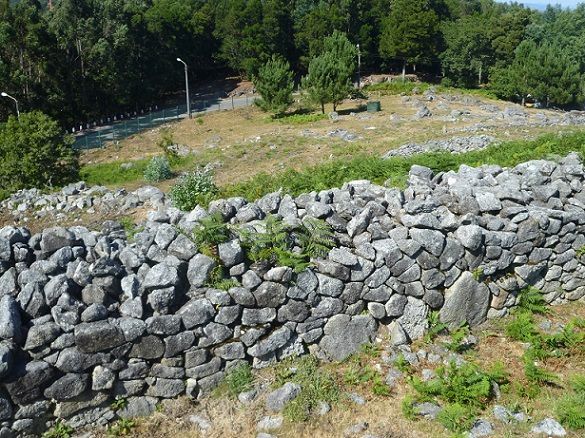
(236, 381)
(317, 383)
(300, 119)
(395, 170)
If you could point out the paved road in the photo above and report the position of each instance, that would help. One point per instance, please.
(96, 138)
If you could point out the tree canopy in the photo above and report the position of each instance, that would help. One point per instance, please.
(83, 60)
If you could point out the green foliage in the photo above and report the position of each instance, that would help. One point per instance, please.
(395, 170)
(223, 283)
(436, 327)
(521, 327)
(211, 231)
(317, 384)
(457, 337)
(194, 188)
(329, 76)
(407, 407)
(402, 364)
(122, 427)
(276, 241)
(477, 273)
(531, 300)
(544, 71)
(157, 170)
(536, 374)
(456, 417)
(130, 227)
(165, 143)
(275, 84)
(466, 385)
(119, 403)
(236, 381)
(410, 32)
(59, 430)
(570, 410)
(581, 251)
(34, 152)
(577, 383)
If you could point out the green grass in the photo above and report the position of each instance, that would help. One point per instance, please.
(300, 119)
(236, 381)
(395, 169)
(317, 384)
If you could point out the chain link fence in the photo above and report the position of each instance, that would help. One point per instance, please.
(119, 130)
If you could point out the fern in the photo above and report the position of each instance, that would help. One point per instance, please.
(522, 328)
(262, 246)
(536, 374)
(578, 383)
(570, 410)
(298, 262)
(531, 300)
(436, 327)
(212, 231)
(315, 237)
(456, 417)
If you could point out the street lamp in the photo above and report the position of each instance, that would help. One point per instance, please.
(186, 85)
(359, 66)
(3, 94)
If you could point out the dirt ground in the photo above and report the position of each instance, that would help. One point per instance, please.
(246, 141)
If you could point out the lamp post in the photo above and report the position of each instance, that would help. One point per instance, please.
(359, 53)
(3, 94)
(186, 86)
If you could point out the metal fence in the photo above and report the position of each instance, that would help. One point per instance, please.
(119, 130)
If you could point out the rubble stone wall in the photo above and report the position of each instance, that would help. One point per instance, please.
(87, 317)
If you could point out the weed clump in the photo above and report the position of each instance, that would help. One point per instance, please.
(194, 188)
(157, 170)
(236, 381)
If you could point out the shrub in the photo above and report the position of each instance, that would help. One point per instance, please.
(34, 152)
(194, 188)
(158, 169)
(212, 231)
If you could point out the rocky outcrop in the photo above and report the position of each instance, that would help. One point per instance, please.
(90, 316)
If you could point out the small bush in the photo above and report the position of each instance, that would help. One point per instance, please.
(165, 143)
(35, 152)
(158, 169)
(194, 188)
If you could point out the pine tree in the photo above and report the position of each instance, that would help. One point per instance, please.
(275, 84)
(330, 74)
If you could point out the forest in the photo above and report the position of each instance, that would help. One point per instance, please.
(79, 60)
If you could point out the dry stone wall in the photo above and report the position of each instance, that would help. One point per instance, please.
(87, 317)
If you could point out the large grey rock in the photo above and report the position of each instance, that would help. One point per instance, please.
(270, 294)
(344, 335)
(30, 381)
(467, 301)
(98, 336)
(414, 318)
(277, 339)
(196, 312)
(549, 427)
(10, 321)
(67, 387)
(470, 236)
(160, 276)
(230, 253)
(6, 359)
(277, 400)
(56, 238)
(41, 334)
(200, 268)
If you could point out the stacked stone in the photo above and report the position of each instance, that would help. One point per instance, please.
(77, 197)
(87, 317)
